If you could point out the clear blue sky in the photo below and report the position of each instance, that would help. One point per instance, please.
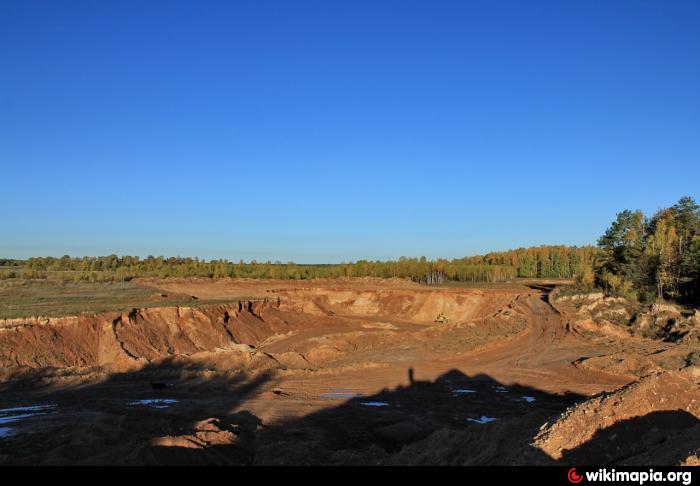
(337, 130)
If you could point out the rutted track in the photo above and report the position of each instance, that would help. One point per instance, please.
(540, 355)
(543, 354)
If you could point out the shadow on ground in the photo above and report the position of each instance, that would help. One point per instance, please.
(449, 421)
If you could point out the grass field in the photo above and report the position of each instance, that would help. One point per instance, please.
(54, 298)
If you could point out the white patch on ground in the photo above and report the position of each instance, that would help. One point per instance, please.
(482, 420)
(500, 389)
(375, 404)
(7, 419)
(463, 391)
(33, 410)
(154, 402)
(525, 398)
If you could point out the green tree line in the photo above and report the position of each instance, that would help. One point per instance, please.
(641, 257)
(544, 261)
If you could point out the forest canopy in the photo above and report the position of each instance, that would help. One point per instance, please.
(543, 262)
(653, 257)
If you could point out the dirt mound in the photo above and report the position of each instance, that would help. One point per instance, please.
(668, 323)
(214, 441)
(595, 314)
(655, 420)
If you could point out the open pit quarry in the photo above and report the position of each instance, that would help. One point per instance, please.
(350, 372)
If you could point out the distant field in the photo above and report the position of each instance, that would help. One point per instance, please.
(54, 298)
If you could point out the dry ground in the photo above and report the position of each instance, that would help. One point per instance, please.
(339, 372)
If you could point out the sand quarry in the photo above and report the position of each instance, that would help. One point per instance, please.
(343, 372)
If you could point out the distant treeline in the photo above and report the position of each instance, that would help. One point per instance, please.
(641, 257)
(10, 262)
(544, 262)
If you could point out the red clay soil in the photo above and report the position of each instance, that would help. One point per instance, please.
(338, 372)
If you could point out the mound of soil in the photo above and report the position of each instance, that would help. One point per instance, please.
(653, 421)
(595, 314)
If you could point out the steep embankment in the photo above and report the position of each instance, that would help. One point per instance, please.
(115, 340)
(417, 306)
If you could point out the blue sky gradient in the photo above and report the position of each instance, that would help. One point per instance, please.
(321, 131)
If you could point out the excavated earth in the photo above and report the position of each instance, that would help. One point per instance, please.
(352, 371)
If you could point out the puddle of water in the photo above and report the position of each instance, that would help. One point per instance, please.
(463, 391)
(154, 402)
(340, 395)
(523, 399)
(375, 404)
(31, 410)
(482, 420)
